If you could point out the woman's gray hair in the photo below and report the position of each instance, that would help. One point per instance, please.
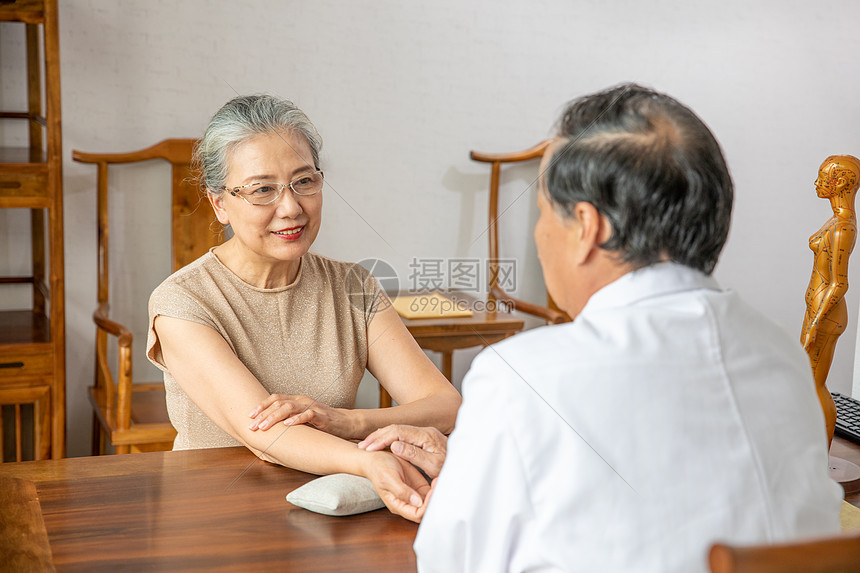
(239, 120)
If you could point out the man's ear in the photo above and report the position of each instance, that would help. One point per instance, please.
(217, 202)
(590, 230)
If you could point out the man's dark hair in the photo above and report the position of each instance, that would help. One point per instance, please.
(649, 165)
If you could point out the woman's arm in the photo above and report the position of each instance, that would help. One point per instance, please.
(424, 396)
(206, 368)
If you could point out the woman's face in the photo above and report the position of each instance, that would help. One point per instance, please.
(285, 229)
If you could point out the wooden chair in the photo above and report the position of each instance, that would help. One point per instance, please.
(133, 416)
(550, 313)
(838, 554)
(444, 335)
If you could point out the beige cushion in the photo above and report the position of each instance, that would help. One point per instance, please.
(337, 494)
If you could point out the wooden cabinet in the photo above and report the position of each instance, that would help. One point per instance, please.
(32, 340)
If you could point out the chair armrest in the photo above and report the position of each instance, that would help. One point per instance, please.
(102, 321)
(108, 387)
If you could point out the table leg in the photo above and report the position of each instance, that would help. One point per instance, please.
(97, 447)
(447, 363)
(384, 398)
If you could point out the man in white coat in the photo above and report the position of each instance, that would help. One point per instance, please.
(666, 416)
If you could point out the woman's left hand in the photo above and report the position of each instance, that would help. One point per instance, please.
(400, 486)
(299, 409)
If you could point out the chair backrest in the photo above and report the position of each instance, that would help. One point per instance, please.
(191, 218)
(838, 554)
(192, 234)
(551, 313)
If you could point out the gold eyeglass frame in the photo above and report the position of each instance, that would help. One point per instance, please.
(281, 186)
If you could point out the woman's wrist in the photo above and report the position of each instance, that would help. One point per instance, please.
(368, 462)
(357, 424)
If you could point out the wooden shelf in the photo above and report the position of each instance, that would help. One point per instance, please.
(32, 342)
(24, 327)
(21, 158)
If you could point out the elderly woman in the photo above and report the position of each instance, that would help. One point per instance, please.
(261, 325)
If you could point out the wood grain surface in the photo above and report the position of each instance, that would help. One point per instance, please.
(202, 510)
(23, 539)
(211, 510)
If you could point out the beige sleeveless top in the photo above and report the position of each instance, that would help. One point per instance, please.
(309, 337)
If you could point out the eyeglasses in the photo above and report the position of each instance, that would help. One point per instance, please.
(264, 193)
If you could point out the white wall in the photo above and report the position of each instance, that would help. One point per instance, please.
(401, 91)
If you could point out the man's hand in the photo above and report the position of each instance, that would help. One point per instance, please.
(424, 447)
(298, 409)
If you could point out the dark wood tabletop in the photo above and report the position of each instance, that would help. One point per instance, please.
(209, 510)
(203, 510)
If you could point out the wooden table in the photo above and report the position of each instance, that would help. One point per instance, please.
(445, 335)
(212, 510)
(487, 325)
(201, 510)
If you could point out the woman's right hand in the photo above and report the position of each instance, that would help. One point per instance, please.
(298, 409)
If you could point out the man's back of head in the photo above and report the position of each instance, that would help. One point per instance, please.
(652, 168)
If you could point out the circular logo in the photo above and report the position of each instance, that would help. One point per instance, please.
(360, 290)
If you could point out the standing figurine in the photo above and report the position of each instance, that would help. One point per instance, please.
(826, 311)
